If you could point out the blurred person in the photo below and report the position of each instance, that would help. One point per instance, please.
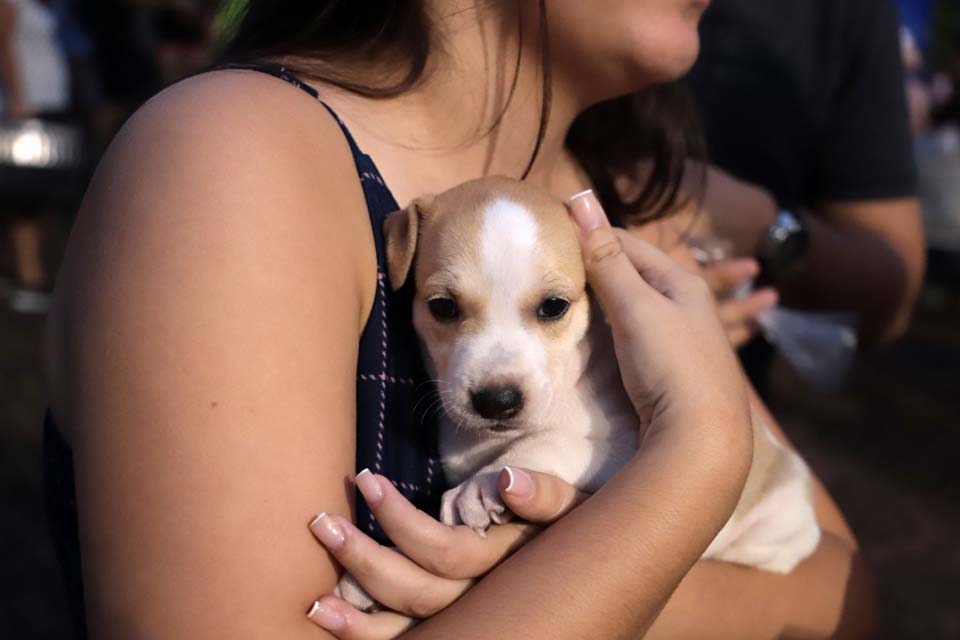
(919, 96)
(812, 173)
(214, 383)
(34, 84)
(811, 185)
(916, 17)
(938, 158)
(947, 89)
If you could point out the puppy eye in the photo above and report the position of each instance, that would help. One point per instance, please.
(552, 309)
(444, 309)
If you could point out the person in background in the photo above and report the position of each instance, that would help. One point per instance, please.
(917, 87)
(803, 109)
(34, 83)
(916, 17)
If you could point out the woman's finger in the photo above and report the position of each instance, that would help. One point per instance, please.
(610, 274)
(662, 272)
(346, 623)
(451, 552)
(389, 577)
(538, 497)
(614, 257)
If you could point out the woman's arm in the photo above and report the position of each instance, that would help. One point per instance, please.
(212, 300)
(831, 594)
(828, 595)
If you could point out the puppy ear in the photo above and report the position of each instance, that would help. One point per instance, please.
(402, 231)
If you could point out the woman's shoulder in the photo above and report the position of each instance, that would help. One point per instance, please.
(241, 115)
(229, 146)
(226, 186)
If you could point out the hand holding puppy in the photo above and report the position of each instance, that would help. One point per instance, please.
(433, 564)
(675, 360)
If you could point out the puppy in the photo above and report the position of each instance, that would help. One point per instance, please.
(526, 372)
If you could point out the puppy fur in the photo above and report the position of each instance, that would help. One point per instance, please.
(494, 260)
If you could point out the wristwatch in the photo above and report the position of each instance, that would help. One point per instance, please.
(783, 246)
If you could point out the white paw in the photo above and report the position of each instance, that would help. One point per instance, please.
(475, 503)
(351, 591)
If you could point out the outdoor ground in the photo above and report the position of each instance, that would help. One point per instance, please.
(887, 448)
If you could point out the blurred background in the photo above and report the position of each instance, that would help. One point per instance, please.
(886, 441)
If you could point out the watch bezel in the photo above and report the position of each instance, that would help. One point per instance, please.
(784, 245)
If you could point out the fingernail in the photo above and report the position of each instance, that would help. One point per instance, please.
(327, 531)
(370, 487)
(586, 210)
(520, 484)
(326, 617)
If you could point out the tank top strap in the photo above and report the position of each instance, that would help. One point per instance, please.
(281, 73)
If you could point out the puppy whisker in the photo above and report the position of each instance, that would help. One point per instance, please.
(426, 397)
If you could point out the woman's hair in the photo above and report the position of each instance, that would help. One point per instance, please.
(393, 39)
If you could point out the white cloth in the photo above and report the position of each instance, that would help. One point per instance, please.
(42, 67)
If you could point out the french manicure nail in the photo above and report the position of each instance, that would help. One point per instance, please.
(326, 617)
(586, 210)
(520, 484)
(327, 531)
(370, 487)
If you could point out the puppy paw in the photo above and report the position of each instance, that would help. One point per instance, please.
(475, 503)
(350, 590)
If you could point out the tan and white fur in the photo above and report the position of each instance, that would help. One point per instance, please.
(523, 384)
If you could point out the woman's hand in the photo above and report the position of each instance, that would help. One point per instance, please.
(433, 564)
(675, 360)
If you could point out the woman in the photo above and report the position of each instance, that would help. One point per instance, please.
(227, 263)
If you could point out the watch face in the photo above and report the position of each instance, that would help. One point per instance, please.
(785, 245)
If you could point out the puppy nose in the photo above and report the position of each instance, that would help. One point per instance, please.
(497, 403)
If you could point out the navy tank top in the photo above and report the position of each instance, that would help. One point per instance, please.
(396, 435)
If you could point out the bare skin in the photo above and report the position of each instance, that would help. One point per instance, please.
(203, 354)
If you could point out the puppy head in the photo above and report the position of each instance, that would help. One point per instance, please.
(500, 302)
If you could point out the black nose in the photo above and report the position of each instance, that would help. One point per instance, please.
(497, 403)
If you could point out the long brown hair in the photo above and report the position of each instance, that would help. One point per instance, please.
(394, 38)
